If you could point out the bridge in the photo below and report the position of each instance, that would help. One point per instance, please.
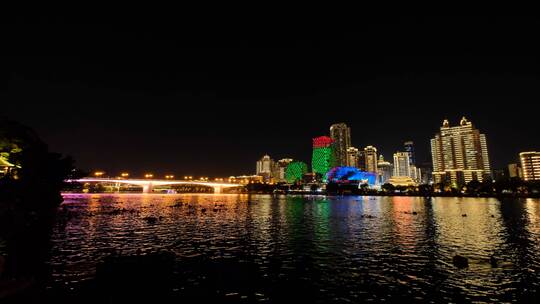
(148, 184)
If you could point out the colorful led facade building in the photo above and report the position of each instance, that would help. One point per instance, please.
(295, 171)
(323, 158)
(351, 175)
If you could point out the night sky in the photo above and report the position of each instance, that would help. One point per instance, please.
(168, 95)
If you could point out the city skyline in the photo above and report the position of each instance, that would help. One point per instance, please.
(212, 103)
(176, 158)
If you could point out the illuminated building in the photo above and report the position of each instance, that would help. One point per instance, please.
(351, 175)
(402, 166)
(530, 164)
(459, 154)
(415, 173)
(264, 167)
(405, 181)
(295, 171)
(385, 170)
(246, 179)
(281, 169)
(409, 148)
(514, 170)
(370, 155)
(362, 160)
(352, 157)
(341, 134)
(323, 158)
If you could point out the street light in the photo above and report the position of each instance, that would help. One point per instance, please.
(124, 174)
(149, 175)
(99, 173)
(169, 176)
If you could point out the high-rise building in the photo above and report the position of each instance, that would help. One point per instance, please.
(352, 157)
(323, 158)
(530, 164)
(370, 154)
(401, 164)
(265, 167)
(514, 170)
(409, 148)
(385, 170)
(459, 154)
(341, 134)
(362, 160)
(281, 169)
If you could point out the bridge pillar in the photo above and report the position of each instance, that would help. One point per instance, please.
(147, 188)
(217, 189)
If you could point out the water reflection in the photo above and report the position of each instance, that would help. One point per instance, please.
(328, 248)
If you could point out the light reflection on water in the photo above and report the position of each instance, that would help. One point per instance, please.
(341, 248)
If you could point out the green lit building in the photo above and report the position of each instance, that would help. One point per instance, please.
(295, 171)
(324, 155)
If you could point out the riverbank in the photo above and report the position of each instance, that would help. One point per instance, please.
(324, 193)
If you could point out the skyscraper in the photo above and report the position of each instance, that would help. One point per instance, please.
(265, 167)
(409, 148)
(341, 134)
(323, 158)
(352, 157)
(281, 169)
(401, 164)
(530, 164)
(459, 154)
(370, 154)
(385, 170)
(362, 160)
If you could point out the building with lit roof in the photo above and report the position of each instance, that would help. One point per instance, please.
(459, 154)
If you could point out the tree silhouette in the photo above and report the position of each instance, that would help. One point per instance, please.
(29, 196)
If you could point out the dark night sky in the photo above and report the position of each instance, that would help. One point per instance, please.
(201, 98)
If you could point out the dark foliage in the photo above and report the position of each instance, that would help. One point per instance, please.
(29, 196)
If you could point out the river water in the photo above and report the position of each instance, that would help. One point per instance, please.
(328, 249)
